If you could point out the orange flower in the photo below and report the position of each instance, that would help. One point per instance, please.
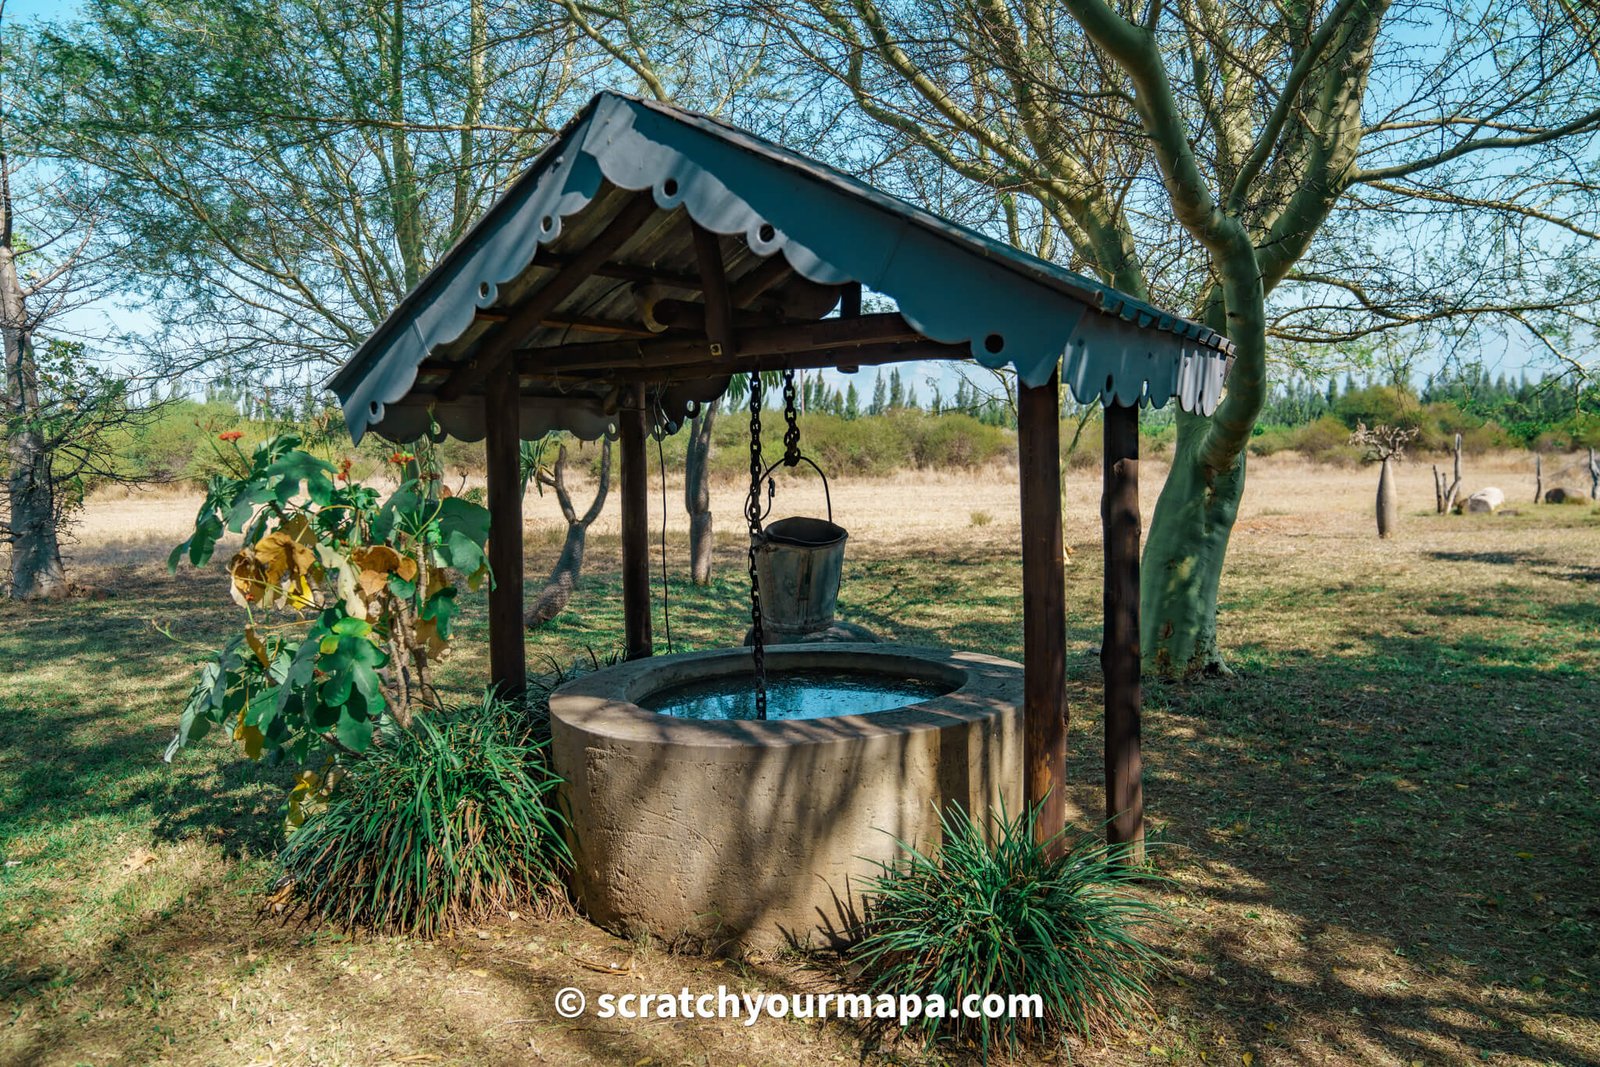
(401, 457)
(344, 470)
(231, 435)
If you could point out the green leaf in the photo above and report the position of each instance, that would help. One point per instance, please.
(350, 627)
(288, 471)
(441, 608)
(354, 733)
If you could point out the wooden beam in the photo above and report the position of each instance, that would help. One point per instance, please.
(525, 318)
(635, 526)
(627, 272)
(1119, 643)
(714, 287)
(759, 279)
(1044, 608)
(785, 339)
(852, 357)
(857, 356)
(508, 669)
(850, 300)
(579, 324)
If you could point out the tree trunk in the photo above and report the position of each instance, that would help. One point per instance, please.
(557, 592)
(558, 588)
(36, 569)
(1183, 558)
(1594, 476)
(1538, 478)
(1388, 505)
(697, 495)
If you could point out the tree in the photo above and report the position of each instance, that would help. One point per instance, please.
(1235, 161)
(58, 406)
(568, 570)
(852, 402)
(880, 396)
(676, 63)
(288, 171)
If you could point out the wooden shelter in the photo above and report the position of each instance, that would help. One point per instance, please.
(651, 253)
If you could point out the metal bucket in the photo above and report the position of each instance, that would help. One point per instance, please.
(799, 562)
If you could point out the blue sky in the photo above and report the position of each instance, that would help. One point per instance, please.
(112, 315)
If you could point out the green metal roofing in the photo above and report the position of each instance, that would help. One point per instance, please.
(954, 285)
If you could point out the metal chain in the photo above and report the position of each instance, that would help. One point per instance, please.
(752, 514)
(791, 436)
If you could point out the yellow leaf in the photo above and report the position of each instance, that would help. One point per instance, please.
(349, 592)
(1247, 1058)
(283, 556)
(428, 638)
(372, 582)
(380, 558)
(298, 528)
(257, 646)
(249, 578)
(253, 738)
(407, 569)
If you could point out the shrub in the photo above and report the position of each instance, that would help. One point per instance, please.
(1008, 919)
(1269, 440)
(1327, 439)
(441, 824)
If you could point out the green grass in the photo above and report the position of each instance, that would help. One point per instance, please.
(1380, 831)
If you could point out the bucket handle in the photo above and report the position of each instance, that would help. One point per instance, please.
(772, 489)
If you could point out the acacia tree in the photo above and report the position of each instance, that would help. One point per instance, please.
(288, 171)
(662, 47)
(58, 405)
(1311, 171)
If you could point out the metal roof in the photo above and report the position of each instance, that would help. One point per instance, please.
(952, 285)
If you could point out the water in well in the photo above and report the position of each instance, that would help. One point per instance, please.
(796, 694)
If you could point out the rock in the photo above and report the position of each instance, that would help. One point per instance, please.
(1557, 495)
(1486, 501)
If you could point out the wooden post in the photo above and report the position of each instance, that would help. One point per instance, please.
(502, 412)
(1119, 643)
(635, 526)
(1044, 609)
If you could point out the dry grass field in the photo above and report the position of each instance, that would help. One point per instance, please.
(1381, 830)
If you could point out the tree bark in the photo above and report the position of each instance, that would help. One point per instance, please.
(697, 495)
(31, 526)
(564, 576)
(1388, 505)
(1183, 559)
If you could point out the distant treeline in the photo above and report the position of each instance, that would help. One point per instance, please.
(1488, 412)
(894, 429)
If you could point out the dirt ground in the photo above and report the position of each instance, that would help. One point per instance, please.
(1380, 830)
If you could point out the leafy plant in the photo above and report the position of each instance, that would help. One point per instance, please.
(450, 822)
(349, 599)
(1011, 918)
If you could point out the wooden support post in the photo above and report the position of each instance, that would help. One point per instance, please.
(1044, 609)
(508, 668)
(635, 526)
(1119, 642)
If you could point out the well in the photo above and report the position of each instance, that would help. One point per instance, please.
(758, 834)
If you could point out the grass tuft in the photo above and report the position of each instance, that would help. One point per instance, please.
(1011, 917)
(442, 825)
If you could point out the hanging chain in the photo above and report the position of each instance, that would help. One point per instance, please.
(752, 514)
(791, 435)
